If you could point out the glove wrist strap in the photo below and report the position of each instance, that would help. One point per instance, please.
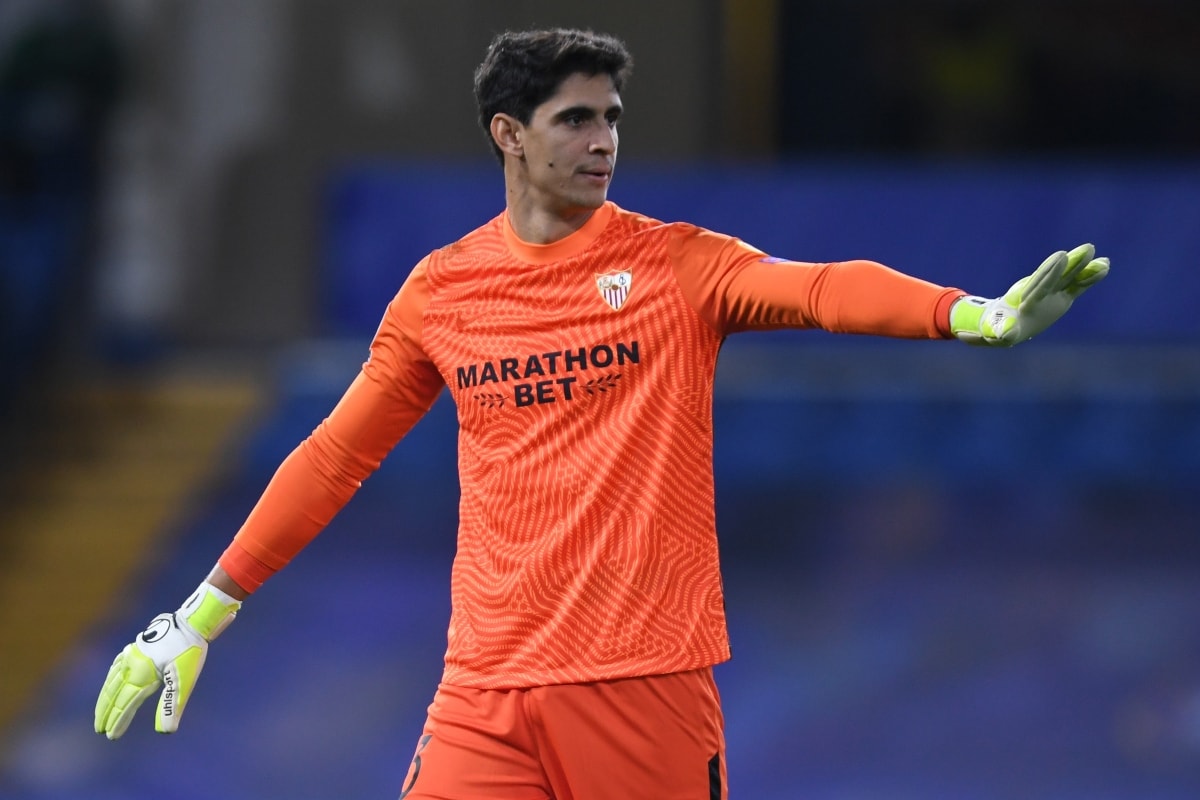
(209, 611)
(966, 318)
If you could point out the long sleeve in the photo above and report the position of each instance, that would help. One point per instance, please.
(395, 388)
(736, 287)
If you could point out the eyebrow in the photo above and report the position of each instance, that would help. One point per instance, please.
(587, 112)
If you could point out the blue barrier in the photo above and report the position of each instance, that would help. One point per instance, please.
(978, 227)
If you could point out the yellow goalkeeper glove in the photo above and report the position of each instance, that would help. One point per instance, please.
(170, 654)
(1032, 304)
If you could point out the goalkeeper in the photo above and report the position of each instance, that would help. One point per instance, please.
(579, 342)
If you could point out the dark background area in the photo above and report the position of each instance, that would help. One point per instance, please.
(961, 78)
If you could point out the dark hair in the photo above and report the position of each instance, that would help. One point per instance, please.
(523, 69)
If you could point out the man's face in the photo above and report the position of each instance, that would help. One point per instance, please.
(570, 144)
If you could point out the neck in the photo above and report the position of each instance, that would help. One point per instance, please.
(534, 217)
(536, 224)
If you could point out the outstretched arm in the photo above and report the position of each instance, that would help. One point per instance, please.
(736, 287)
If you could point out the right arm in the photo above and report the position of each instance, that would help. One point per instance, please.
(320, 476)
(394, 389)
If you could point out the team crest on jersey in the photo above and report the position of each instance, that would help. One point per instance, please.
(614, 288)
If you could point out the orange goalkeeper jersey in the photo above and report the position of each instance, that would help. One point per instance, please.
(582, 372)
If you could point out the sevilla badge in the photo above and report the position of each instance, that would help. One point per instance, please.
(614, 288)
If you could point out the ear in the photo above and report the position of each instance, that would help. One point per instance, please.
(506, 132)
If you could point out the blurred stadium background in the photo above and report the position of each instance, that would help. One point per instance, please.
(950, 573)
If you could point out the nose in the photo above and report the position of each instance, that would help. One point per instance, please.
(605, 140)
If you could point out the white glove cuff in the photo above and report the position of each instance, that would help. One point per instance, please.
(209, 610)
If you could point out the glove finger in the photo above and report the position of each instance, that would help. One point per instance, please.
(130, 680)
(179, 678)
(170, 702)
(108, 692)
(129, 699)
(1089, 276)
(1077, 258)
(1045, 278)
(104, 705)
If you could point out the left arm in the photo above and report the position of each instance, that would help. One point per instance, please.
(862, 297)
(736, 287)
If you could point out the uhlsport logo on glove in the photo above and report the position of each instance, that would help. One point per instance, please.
(157, 629)
(999, 315)
(168, 695)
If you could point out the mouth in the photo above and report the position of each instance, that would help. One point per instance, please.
(597, 174)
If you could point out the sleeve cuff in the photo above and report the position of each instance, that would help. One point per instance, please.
(941, 312)
(245, 570)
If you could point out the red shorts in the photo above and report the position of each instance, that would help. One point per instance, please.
(653, 738)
